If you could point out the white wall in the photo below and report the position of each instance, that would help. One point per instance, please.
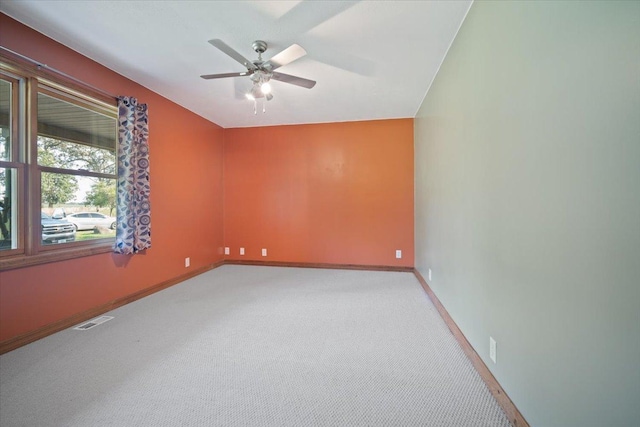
(528, 202)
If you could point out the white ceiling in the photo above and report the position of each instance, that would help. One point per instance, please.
(371, 59)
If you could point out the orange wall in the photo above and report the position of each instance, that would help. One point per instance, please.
(339, 193)
(186, 183)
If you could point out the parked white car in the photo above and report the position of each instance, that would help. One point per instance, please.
(90, 220)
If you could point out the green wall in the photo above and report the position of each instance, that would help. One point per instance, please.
(527, 155)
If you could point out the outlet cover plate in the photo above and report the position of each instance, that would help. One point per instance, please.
(398, 253)
(187, 262)
(264, 252)
(492, 349)
(241, 251)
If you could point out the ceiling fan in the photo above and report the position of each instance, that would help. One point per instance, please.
(262, 72)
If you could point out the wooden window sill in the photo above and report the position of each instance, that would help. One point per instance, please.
(20, 261)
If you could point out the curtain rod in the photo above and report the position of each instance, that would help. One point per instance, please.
(40, 65)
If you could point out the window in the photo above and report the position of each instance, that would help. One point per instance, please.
(58, 168)
(9, 165)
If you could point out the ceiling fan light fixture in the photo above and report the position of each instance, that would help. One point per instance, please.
(265, 88)
(250, 97)
(255, 92)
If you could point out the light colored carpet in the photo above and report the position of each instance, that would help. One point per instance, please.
(255, 346)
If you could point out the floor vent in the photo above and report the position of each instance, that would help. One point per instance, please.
(92, 323)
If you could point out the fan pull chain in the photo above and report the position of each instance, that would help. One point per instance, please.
(255, 107)
(264, 107)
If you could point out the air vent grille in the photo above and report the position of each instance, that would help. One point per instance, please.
(93, 323)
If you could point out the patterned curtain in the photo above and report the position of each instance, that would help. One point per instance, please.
(133, 209)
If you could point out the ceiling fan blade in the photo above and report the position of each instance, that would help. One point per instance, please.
(298, 81)
(290, 54)
(220, 76)
(232, 53)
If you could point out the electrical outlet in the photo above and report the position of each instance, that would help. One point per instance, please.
(226, 251)
(264, 252)
(187, 262)
(398, 253)
(429, 274)
(492, 350)
(241, 251)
